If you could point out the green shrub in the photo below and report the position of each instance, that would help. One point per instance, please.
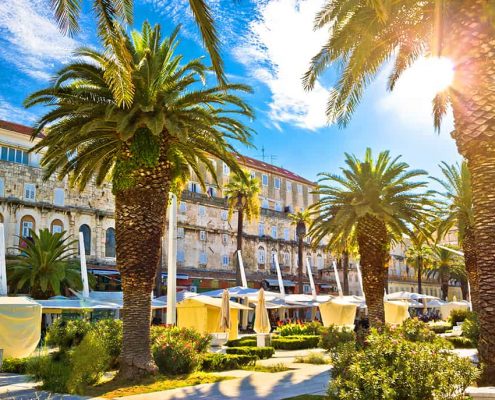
(391, 367)
(178, 350)
(66, 334)
(471, 328)
(333, 337)
(414, 330)
(458, 316)
(242, 342)
(439, 326)
(313, 358)
(224, 362)
(461, 342)
(110, 333)
(54, 372)
(295, 342)
(260, 352)
(15, 365)
(309, 328)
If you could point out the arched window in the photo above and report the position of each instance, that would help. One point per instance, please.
(319, 261)
(287, 259)
(86, 231)
(110, 243)
(272, 258)
(57, 226)
(27, 225)
(261, 255)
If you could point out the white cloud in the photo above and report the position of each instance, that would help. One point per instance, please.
(30, 38)
(277, 51)
(10, 112)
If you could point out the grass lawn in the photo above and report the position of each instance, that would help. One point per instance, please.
(267, 368)
(116, 388)
(307, 397)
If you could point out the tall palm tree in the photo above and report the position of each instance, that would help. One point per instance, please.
(242, 193)
(419, 252)
(445, 266)
(173, 123)
(300, 219)
(365, 34)
(458, 213)
(379, 199)
(110, 14)
(45, 265)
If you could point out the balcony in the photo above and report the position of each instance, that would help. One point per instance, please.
(203, 198)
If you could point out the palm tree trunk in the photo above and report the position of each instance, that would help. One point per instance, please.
(240, 222)
(300, 264)
(345, 272)
(419, 264)
(469, 248)
(444, 285)
(139, 221)
(473, 103)
(372, 238)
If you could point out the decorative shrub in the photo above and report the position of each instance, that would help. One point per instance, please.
(309, 328)
(333, 337)
(65, 334)
(224, 362)
(313, 358)
(242, 342)
(54, 372)
(109, 332)
(458, 316)
(414, 330)
(461, 342)
(439, 326)
(15, 365)
(471, 328)
(259, 352)
(178, 350)
(391, 367)
(295, 342)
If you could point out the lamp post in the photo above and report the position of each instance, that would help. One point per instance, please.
(300, 233)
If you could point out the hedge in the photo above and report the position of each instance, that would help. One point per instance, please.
(260, 352)
(461, 342)
(224, 362)
(242, 342)
(440, 327)
(15, 365)
(295, 342)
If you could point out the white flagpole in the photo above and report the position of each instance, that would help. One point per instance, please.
(279, 275)
(172, 262)
(3, 268)
(84, 268)
(241, 267)
(311, 280)
(337, 279)
(360, 279)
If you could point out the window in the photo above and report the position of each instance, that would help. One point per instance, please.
(211, 192)
(110, 243)
(253, 174)
(202, 235)
(306, 289)
(272, 258)
(225, 260)
(319, 261)
(226, 169)
(261, 255)
(58, 196)
(299, 188)
(57, 226)
(29, 191)
(278, 206)
(265, 204)
(224, 215)
(86, 231)
(274, 232)
(261, 229)
(286, 258)
(286, 233)
(194, 187)
(264, 179)
(14, 155)
(181, 256)
(2, 188)
(182, 207)
(27, 225)
(225, 238)
(201, 211)
(277, 183)
(289, 186)
(180, 233)
(203, 258)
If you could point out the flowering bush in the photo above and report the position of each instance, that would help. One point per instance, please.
(333, 337)
(293, 329)
(178, 350)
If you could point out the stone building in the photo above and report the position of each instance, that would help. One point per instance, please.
(206, 237)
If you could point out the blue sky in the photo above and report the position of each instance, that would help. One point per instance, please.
(266, 44)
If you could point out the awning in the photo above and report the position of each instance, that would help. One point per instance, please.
(325, 286)
(103, 272)
(179, 276)
(274, 282)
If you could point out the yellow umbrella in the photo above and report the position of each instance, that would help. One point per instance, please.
(224, 323)
(261, 320)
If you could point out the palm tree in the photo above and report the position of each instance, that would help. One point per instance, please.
(173, 124)
(366, 34)
(242, 193)
(45, 265)
(458, 213)
(301, 219)
(419, 252)
(110, 14)
(446, 266)
(379, 200)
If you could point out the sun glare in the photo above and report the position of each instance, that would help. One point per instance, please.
(430, 75)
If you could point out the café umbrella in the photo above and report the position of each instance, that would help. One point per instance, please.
(224, 324)
(261, 320)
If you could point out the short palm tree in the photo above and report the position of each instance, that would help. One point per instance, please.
(418, 253)
(174, 123)
(445, 265)
(45, 265)
(365, 34)
(242, 193)
(301, 220)
(379, 199)
(458, 213)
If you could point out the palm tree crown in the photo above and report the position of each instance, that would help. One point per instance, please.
(242, 194)
(445, 265)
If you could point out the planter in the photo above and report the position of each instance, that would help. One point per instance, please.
(481, 393)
